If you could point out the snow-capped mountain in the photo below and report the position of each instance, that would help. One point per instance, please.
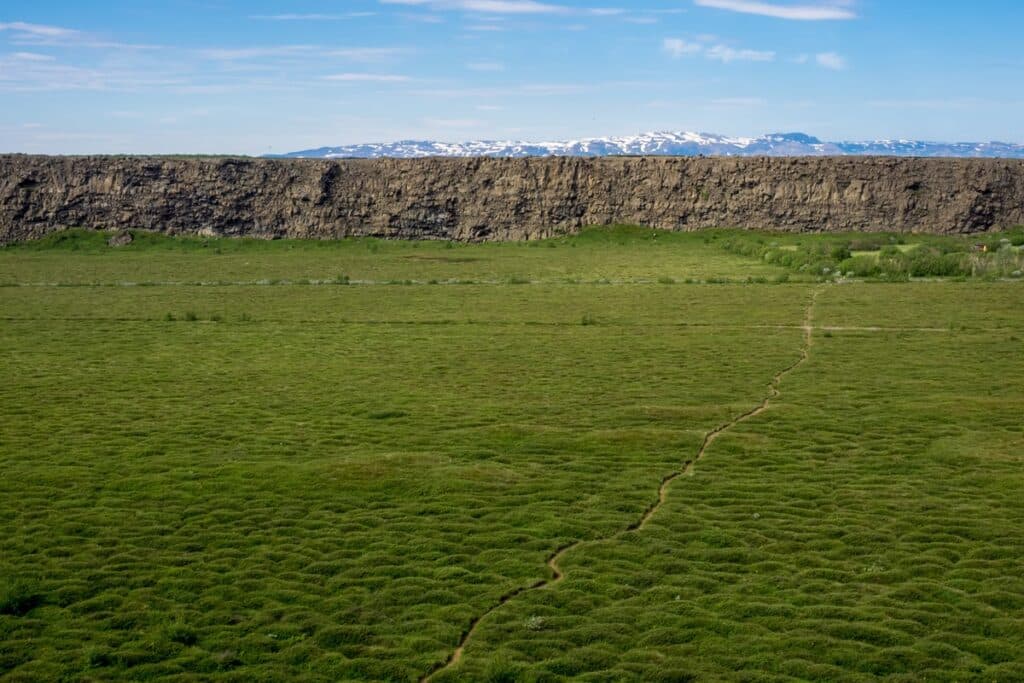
(667, 144)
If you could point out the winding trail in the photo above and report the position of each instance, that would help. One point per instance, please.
(687, 471)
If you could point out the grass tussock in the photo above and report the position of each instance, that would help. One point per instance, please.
(331, 482)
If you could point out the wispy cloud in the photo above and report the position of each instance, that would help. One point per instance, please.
(355, 54)
(30, 72)
(678, 48)
(819, 11)
(726, 54)
(32, 57)
(26, 31)
(831, 60)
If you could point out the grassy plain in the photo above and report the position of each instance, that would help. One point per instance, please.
(281, 478)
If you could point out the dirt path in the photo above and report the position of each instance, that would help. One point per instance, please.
(710, 437)
(688, 468)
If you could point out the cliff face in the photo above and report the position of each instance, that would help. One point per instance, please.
(503, 199)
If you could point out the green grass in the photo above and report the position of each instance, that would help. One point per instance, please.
(620, 254)
(249, 482)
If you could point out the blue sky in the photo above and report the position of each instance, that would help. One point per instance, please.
(254, 76)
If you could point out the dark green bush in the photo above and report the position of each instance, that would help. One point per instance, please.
(840, 252)
(932, 262)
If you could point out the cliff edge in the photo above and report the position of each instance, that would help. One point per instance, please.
(503, 199)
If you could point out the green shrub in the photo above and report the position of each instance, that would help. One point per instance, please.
(861, 266)
(840, 252)
(926, 261)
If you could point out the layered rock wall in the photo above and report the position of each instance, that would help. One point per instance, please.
(503, 199)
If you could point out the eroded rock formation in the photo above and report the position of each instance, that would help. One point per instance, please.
(503, 199)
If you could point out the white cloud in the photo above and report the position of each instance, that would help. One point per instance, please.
(726, 54)
(831, 60)
(23, 30)
(32, 57)
(355, 54)
(678, 48)
(24, 33)
(820, 11)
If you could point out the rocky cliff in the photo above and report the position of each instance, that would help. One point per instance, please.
(503, 199)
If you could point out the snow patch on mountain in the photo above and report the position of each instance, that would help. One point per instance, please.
(666, 144)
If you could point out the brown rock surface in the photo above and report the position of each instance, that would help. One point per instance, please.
(502, 199)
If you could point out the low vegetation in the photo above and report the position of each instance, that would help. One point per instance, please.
(228, 475)
(889, 257)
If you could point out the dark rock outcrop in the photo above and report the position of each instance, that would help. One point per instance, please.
(503, 199)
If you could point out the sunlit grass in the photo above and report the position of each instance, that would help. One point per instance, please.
(295, 482)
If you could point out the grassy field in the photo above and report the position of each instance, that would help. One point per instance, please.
(222, 462)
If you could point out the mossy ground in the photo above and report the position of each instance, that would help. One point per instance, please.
(299, 482)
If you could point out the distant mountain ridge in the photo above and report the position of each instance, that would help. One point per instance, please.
(667, 144)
